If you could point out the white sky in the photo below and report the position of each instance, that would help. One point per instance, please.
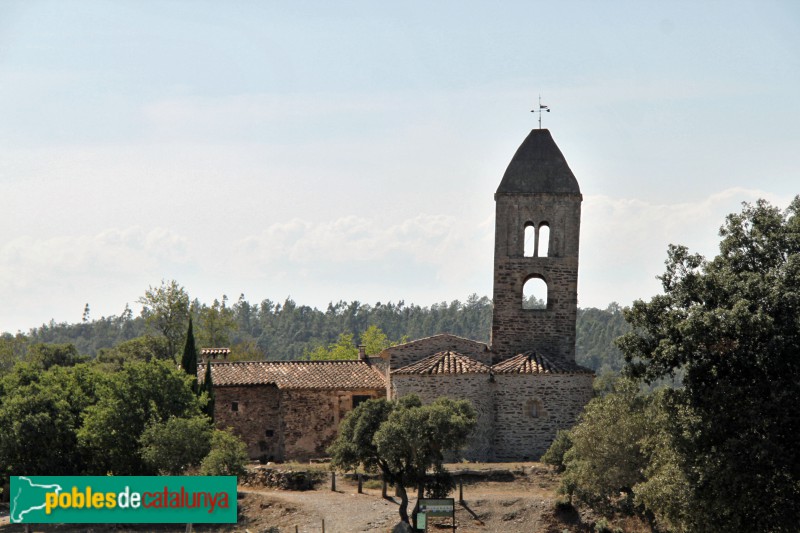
(350, 150)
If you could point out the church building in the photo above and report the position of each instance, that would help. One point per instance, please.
(524, 385)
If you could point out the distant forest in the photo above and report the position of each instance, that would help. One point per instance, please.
(286, 331)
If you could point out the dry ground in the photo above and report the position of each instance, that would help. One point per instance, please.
(523, 503)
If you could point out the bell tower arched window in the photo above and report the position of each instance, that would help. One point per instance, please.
(530, 240)
(543, 240)
(534, 294)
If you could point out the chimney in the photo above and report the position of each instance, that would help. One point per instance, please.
(362, 352)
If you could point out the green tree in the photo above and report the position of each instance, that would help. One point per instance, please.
(228, 455)
(172, 446)
(40, 413)
(620, 456)
(47, 355)
(665, 492)
(39, 432)
(606, 457)
(166, 309)
(207, 388)
(189, 359)
(595, 332)
(145, 348)
(403, 439)
(215, 324)
(732, 324)
(13, 348)
(139, 395)
(555, 453)
(375, 340)
(246, 351)
(342, 349)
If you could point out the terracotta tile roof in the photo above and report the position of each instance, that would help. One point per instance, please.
(330, 375)
(534, 363)
(445, 363)
(215, 352)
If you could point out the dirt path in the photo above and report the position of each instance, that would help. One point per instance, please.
(343, 511)
(510, 507)
(526, 503)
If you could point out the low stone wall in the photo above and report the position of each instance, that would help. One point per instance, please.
(273, 478)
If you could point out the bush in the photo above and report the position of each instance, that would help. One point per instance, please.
(439, 484)
(606, 457)
(228, 456)
(172, 446)
(602, 526)
(555, 454)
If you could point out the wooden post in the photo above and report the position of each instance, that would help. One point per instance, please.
(461, 491)
(333, 481)
(323, 525)
(383, 487)
(360, 484)
(295, 528)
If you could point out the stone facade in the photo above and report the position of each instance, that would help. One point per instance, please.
(473, 387)
(550, 330)
(518, 415)
(524, 386)
(254, 413)
(277, 425)
(520, 402)
(530, 409)
(289, 410)
(537, 190)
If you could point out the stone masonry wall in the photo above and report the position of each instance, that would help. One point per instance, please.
(311, 419)
(411, 352)
(257, 414)
(550, 331)
(557, 400)
(473, 387)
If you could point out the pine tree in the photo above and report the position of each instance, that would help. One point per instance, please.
(189, 360)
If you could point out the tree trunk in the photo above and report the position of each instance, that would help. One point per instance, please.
(420, 494)
(403, 510)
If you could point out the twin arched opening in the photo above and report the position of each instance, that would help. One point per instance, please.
(537, 240)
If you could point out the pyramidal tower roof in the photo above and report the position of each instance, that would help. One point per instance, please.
(538, 167)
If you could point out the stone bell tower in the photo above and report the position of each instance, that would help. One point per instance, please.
(537, 229)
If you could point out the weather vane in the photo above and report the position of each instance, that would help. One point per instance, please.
(541, 108)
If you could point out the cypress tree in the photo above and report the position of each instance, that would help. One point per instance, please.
(208, 387)
(189, 359)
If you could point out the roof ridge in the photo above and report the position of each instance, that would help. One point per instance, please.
(292, 361)
(413, 341)
(445, 362)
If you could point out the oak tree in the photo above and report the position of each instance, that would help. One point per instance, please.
(732, 325)
(402, 439)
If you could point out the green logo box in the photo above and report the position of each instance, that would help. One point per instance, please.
(123, 499)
